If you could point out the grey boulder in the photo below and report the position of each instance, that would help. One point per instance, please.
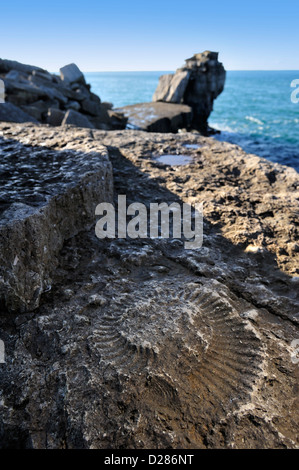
(7, 65)
(11, 113)
(71, 73)
(76, 119)
(55, 116)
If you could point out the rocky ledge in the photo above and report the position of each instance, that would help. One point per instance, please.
(34, 95)
(142, 343)
(157, 117)
(46, 197)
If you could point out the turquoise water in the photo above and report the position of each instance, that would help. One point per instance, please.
(124, 88)
(254, 110)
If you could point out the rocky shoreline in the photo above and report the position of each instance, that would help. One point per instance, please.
(35, 95)
(141, 343)
(183, 100)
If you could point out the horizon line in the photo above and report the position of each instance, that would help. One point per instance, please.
(227, 70)
(172, 71)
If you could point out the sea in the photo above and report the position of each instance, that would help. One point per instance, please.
(254, 111)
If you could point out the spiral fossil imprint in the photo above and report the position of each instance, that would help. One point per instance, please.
(190, 340)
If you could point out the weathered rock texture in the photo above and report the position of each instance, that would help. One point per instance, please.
(35, 93)
(143, 344)
(197, 84)
(157, 117)
(47, 196)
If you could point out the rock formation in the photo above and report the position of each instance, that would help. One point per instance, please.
(33, 94)
(157, 117)
(140, 343)
(197, 84)
(52, 195)
(11, 113)
(183, 100)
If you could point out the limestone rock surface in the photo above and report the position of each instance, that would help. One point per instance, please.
(141, 343)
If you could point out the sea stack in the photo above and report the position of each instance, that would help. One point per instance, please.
(197, 84)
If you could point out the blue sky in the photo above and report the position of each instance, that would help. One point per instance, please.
(155, 35)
